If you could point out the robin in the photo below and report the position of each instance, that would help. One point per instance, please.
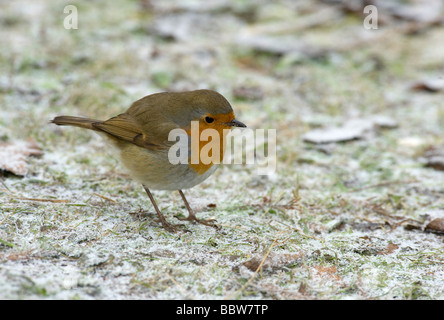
(140, 135)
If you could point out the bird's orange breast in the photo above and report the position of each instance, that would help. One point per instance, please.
(204, 154)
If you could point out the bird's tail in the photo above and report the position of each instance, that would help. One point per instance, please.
(75, 121)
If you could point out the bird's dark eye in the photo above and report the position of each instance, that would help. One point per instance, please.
(209, 119)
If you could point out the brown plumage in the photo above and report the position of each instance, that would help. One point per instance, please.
(141, 137)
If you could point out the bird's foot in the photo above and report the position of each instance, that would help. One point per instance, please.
(174, 228)
(207, 222)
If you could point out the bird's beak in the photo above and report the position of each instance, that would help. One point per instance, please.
(236, 123)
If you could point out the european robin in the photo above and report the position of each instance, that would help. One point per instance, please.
(140, 136)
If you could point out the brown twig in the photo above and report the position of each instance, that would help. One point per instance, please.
(259, 268)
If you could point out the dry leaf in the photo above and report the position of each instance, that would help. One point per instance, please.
(330, 135)
(274, 261)
(327, 272)
(350, 130)
(280, 45)
(436, 225)
(391, 247)
(434, 157)
(248, 92)
(13, 156)
(426, 12)
(187, 26)
(429, 85)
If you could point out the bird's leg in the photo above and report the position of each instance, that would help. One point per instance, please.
(169, 227)
(192, 217)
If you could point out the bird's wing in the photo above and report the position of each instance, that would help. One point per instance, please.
(124, 127)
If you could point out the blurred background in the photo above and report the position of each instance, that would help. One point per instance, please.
(286, 62)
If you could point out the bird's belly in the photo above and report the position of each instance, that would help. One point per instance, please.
(153, 169)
